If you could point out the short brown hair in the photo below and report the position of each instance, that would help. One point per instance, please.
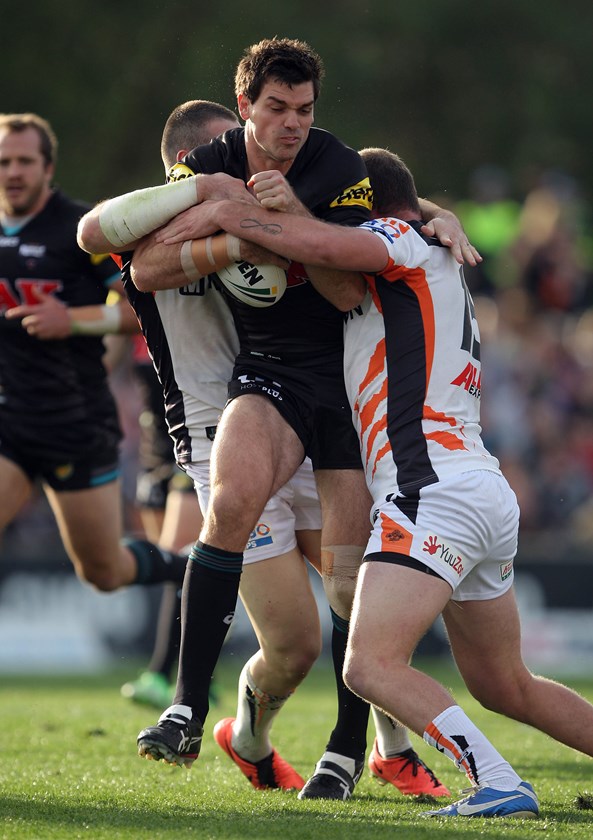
(284, 59)
(393, 184)
(187, 126)
(21, 122)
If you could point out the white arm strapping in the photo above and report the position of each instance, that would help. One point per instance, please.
(109, 321)
(129, 217)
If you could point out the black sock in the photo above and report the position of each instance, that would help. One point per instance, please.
(168, 632)
(154, 564)
(208, 602)
(349, 737)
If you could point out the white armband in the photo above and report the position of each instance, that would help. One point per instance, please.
(109, 321)
(129, 217)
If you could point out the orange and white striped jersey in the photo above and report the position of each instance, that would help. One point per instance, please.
(412, 367)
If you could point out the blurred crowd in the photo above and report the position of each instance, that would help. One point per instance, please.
(534, 302)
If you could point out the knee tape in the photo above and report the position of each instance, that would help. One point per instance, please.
(339, 566)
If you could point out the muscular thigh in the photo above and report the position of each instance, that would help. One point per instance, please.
(255, 452)
(253, 442)
(394, 607)
(485, 638)
(90, 520)
(279, 600)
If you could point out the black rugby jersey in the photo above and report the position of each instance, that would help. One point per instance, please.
(303, 328)
(52, 390)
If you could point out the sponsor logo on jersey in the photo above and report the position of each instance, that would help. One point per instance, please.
(470, 378)
(64, 471)
(506, 570)
(395, 536)
(24, 291)
(199, 288)
(29, 250)
(261, 535)
(178, 172)
(360, 195)
(248, 382)
(391, 229)
(352, 313)
(97, 259)
(9, 241)
(438, 548)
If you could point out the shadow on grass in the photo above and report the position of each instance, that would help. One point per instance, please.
(275, 818)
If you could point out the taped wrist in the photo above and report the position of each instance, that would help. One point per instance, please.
(129, 217)
(108, 321)
(200, 257)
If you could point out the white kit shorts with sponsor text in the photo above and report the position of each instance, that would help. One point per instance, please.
(295, 507)
(466, 531)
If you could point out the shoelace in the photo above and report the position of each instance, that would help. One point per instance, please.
(417, 762)
(465, 793)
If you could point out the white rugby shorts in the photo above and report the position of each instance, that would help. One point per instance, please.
(466, 531)
(295, 507)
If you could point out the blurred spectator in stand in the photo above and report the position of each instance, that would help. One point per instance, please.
(537, 335)
(490, 218)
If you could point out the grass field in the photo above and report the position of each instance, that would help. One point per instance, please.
(68, 769)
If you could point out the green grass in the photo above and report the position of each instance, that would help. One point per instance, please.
(68, 769)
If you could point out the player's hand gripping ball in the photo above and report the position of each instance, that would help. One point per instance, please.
(255, 285)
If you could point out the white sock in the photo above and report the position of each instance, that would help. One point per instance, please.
(256, 711)
(453, 734)
(392, 738)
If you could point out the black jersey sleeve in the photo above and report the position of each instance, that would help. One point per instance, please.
(331, 179)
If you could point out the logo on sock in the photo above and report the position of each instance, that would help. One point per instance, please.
(465, 758)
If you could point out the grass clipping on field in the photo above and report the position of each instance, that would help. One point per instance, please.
(584, 801)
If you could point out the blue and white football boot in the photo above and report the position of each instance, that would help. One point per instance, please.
(489, 802)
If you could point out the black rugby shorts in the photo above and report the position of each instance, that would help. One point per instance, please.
(313, 402)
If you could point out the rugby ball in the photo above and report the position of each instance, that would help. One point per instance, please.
(255, 285)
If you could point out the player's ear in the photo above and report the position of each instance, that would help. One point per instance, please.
(50, 169)
(181, 154)
(243, 105)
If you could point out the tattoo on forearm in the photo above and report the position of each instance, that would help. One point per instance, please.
(273, 229)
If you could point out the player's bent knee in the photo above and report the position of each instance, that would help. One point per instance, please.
(358, 676)
(503, 701)
(234, 510)
(101, 579)
(340, 594)
(295, 670)
(293, 664)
